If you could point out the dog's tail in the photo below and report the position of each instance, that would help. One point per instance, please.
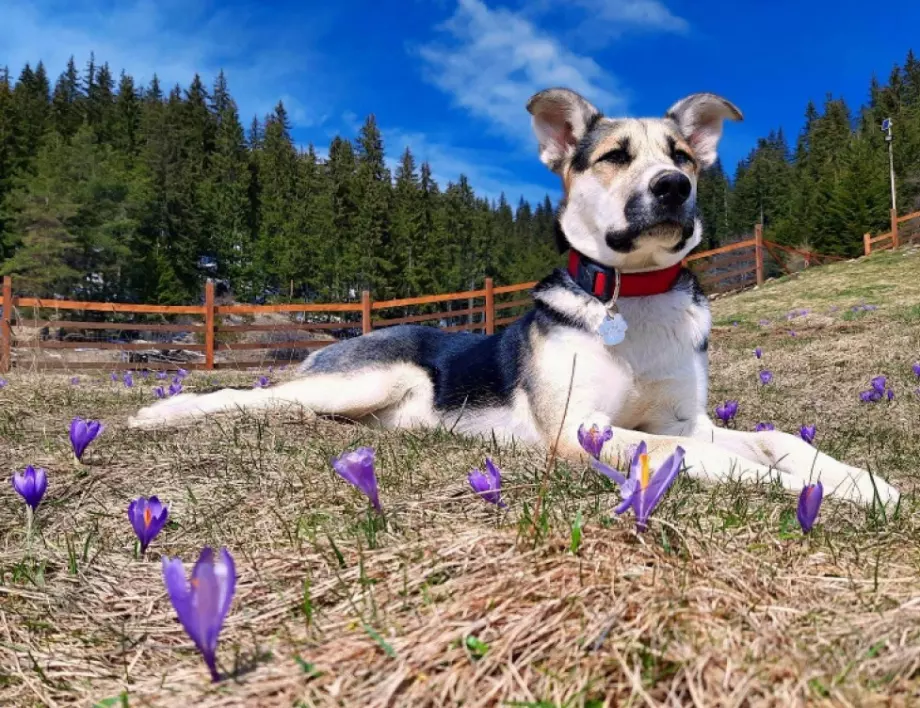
(352, 396)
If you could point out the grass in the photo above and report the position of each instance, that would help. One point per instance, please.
(453, 602)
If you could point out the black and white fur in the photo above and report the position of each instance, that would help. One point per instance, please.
(629, 204)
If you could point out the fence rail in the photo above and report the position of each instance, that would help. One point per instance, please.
(210, 329)
(898, 235)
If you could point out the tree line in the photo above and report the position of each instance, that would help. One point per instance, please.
(114, 191)
(833, 185)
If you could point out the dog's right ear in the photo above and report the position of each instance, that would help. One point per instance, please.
(560, 119)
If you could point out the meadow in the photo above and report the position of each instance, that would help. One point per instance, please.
(447, 600)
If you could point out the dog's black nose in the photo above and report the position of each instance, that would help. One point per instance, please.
(671, 189)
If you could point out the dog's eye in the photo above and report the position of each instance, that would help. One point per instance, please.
(617, 157)
(681, 158)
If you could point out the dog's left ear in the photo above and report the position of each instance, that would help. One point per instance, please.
(699, 118)
(561, 117)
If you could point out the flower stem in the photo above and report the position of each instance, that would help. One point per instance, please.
(29, 520)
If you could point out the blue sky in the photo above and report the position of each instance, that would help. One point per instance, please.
(450, 78)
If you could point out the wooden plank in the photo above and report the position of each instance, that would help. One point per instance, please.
(6, 332)
(522, 302)
(719, 277)
(259, 365)
(876, 239)
(429, 316)
(722, 249)
(490, 306)
(731, 260)
(292, 327)
(758, 253)
(428, 299)
(52, 304)
(41, 364)
(209, 324)
(460, 328)
(908, 217)
(286, 307)
(117, 346)
(502, 290)
(135, 326)
(506, 320)
(366, 305)
(249, 346)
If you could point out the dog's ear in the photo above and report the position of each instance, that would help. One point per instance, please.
(699, 118)
(560, 119)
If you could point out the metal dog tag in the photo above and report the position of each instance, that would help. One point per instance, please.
(613, 329)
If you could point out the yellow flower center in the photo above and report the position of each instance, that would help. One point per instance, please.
(148, 517)
(644, 474)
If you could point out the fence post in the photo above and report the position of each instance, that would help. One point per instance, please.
(365, 312)
(758, 252)
(867, 247)
(6, 332)
(895, 241)
(209, 324)
(490, 306)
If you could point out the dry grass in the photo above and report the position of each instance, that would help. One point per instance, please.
(722, 603)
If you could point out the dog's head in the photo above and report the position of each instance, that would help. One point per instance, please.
(629, 184)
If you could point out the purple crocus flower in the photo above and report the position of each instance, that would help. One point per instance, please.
(870, 396)
(159, 392)
(262, 382)
(31, 484)
(809, 505)
(807, 433)
(726, 411)
(758, 352)
(161, 375)
(129, 380)
(175, 388)
(792, 334)
(114, 377)
(202, 605)
(75, 381)
(889, 394)
(145, 373)
(879, 383)
(766, 377)
(3, 383)
(593, 440)
(643, 491)
(762, 427)
(82, 433)
(488, 484)
(357, 468)
(181, 373)
(147, 517)
(764, 323)
(916, 369)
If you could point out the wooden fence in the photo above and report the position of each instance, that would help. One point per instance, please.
(904, 230)
(224, 335)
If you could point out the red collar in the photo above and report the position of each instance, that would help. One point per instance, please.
(600, 280)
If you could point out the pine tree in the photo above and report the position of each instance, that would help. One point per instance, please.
(66, 108)
(370, 247)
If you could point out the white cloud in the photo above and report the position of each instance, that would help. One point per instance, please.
(491, 61)
(608, 19)
(172, 38)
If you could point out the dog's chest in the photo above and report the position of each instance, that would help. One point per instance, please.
(655, 379)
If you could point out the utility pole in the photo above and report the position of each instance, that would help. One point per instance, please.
(886, 127)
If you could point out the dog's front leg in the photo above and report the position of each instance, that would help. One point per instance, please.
(703, 460)
(794, 456)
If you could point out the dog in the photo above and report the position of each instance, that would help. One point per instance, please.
(619, 338)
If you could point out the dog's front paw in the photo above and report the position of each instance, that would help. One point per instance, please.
(866, 489)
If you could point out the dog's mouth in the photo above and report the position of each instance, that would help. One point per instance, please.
(665, 230)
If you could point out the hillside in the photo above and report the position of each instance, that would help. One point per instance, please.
(723, 602)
